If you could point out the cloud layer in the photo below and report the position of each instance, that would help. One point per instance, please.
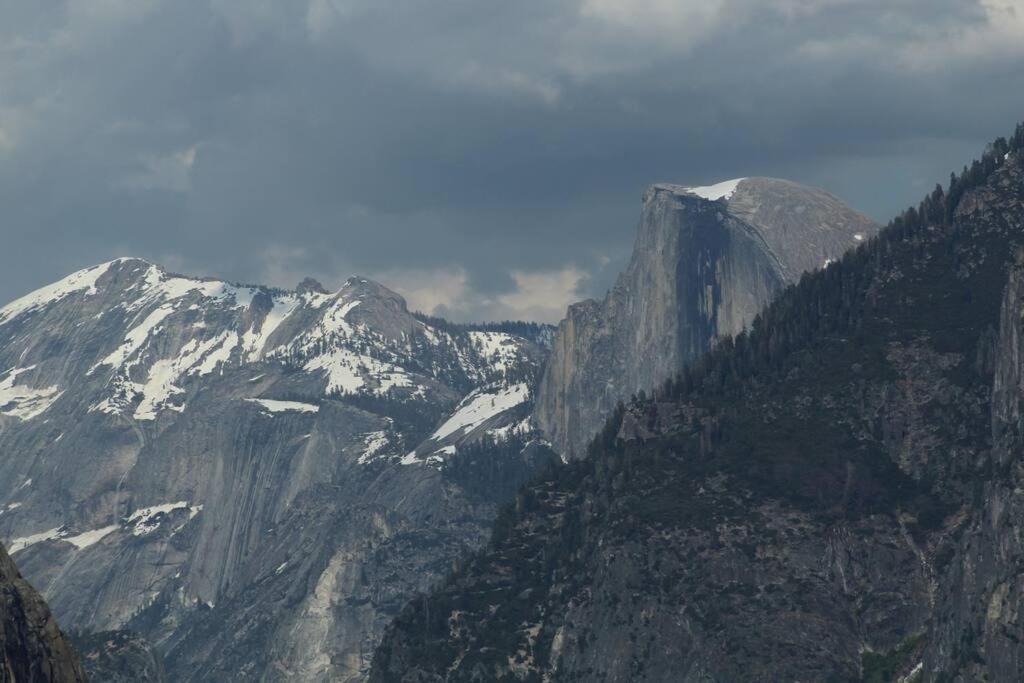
(485, 158)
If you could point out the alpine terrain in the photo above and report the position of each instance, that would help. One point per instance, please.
(252, 480)
(834, 495)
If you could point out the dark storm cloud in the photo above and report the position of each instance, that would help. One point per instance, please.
(485, 156)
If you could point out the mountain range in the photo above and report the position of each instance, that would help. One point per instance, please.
(215, 481)
(230, 470)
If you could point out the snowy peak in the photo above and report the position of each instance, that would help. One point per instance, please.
(172, 440)
(145, 340)
(377, 307)
(370, 289)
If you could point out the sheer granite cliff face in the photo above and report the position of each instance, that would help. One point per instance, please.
(702, 268)
(836, 495)
(32, 647)
(978, 630)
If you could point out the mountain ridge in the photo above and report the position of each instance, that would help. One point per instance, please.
(816, 499)
(185, 455)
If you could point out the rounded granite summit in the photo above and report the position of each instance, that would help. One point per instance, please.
(706, 261)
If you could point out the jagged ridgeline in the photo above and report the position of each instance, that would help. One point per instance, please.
(832, 495)
(249, 481)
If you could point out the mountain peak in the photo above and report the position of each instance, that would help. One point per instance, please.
(706, 260)
(310, 284)
(357, 286)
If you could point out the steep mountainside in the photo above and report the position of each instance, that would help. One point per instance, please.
(833, 496)
(705, 262)
(32, 647)
(119, 657)
(254, 480)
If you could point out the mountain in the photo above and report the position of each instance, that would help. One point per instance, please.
(32, 647)
(252, 480)
(835, 495)
(706, 261)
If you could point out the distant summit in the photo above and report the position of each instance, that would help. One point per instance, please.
(311, 285)
(705, 262)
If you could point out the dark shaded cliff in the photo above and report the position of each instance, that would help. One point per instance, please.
(705, 262)
(32, 647)
(833, 496)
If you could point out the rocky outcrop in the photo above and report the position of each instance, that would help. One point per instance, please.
(834, 496)
(253, 480)
(32, 647)
(705, 262)
(119, 657)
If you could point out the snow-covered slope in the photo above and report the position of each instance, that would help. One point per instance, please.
(176, 451)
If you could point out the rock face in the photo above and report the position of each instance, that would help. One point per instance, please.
(119, 657)
(32, 647)
(978, 628)
(834, 496)
(705, 262)
(253, 480)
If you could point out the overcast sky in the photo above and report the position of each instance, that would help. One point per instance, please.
(484, 158)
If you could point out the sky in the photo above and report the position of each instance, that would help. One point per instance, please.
(485, 159)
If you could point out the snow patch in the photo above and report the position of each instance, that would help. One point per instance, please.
(498, 349)
(474, 410)
(135, 338)
(375, 442)
(22, 401)
(341, 367)
(284, 406)
(158, 389)
(147, 520)
(254, 341)
(508, 431)
(722, 190)
(92, 537)
(481, 406)
(17, 544)
(347, 307)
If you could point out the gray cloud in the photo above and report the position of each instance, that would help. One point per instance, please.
(469, 153)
